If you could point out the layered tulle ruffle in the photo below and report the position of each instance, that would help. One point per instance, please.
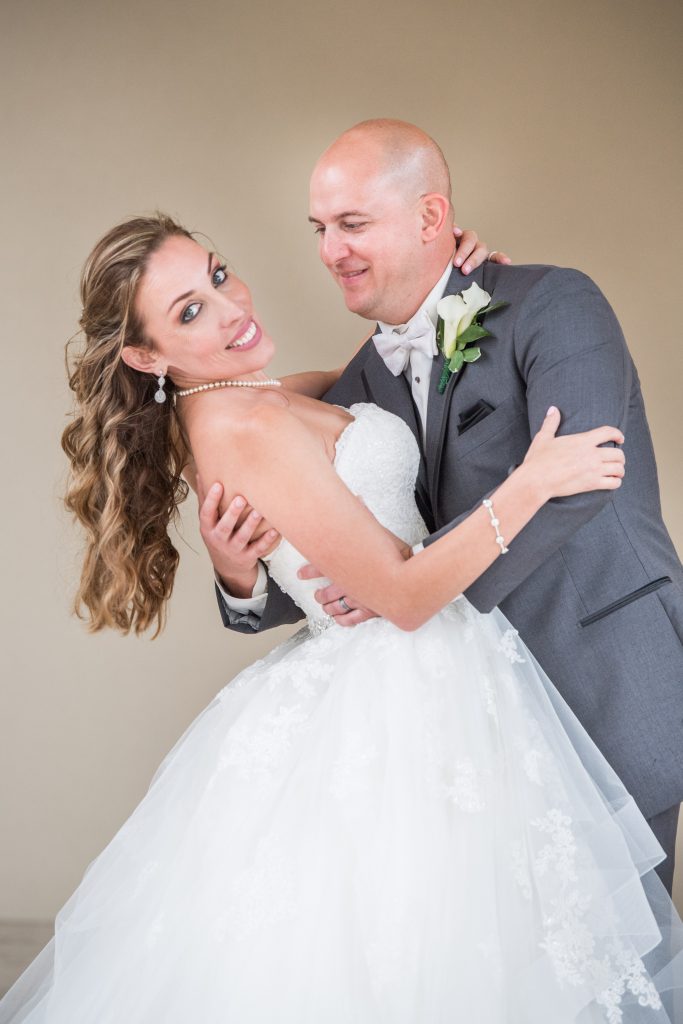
(372, 827)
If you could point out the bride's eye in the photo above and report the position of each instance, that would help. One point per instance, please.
(190, 312)
(219, 275)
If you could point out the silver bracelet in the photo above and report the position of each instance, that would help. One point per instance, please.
(495, 523)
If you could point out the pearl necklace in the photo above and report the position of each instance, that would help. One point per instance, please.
(230, 384)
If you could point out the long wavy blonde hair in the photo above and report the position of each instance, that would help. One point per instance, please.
(126, 450)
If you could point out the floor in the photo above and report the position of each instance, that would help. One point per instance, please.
(20, 941)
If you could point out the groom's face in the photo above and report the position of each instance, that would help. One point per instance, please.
(369, 228)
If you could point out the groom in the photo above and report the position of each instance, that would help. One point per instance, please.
(593, 583)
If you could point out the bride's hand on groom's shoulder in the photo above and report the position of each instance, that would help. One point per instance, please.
(235, 539)
(470, 252)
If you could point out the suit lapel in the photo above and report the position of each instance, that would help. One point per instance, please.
(439, 406)
(390, 392)
(393, 394)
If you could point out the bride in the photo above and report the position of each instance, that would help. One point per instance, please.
(401, 823)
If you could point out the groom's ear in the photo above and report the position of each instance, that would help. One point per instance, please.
(435, 210)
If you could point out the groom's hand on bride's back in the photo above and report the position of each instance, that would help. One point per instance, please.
(343, 607)
(235, 539)
(329, 597)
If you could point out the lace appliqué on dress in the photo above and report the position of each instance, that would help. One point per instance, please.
(579, 957)
(508, 646)
(632, 978)
(466, 789)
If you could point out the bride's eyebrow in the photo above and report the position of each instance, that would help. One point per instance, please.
(186, 295)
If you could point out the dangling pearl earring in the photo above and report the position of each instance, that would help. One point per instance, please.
(160, 395)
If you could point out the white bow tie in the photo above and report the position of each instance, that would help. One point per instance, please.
(395, 347)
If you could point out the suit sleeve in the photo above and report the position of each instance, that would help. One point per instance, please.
(571, 353)
(280, 610)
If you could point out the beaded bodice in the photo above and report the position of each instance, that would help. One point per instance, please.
(377, 458)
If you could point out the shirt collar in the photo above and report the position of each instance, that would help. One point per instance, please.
(429, 305)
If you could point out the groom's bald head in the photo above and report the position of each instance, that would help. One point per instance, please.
(401, 154)
(381, 203)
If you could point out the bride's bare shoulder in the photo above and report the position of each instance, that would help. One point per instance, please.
(246, 424)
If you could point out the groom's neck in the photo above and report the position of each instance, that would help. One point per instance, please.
(401, 313)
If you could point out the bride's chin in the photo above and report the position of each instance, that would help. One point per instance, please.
(262, 357)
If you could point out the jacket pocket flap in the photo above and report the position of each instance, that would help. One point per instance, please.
(648, 588)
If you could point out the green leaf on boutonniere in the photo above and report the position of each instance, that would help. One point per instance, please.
(439, 333)
(492, 309)
(470, 355)
(444, 378)
(473, 333)
(457, 360)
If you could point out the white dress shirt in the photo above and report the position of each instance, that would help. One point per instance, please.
(418, 374)
(259, 595)
(419, 370)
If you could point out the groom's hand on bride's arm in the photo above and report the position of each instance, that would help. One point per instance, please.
(470, 252)
(235, 540)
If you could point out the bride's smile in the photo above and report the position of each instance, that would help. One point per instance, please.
(249, 339)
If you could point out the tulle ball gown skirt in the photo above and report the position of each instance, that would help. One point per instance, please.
(372, 827)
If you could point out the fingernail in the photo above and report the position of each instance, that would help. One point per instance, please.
(214, 487)
(240, 502)
(255, 514)
(551, 410)
(458, 261)
(272, 533)
(466, 269)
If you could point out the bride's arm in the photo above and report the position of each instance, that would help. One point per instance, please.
(316, 383)
(282, 465)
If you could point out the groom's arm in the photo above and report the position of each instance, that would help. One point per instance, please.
(571, 353)
(271, 607)
(248, 601)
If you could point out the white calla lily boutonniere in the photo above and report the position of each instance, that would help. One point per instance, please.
(459, 328)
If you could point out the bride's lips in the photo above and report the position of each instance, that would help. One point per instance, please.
(247, 338)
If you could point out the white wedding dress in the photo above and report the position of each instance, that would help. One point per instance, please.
(371, 827)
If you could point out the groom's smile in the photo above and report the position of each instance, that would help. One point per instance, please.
(349, 278)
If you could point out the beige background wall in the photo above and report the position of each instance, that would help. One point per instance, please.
(560, 124)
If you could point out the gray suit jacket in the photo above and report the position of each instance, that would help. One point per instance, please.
(593, 583)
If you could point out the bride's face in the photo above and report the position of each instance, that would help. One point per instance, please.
(198, 316)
